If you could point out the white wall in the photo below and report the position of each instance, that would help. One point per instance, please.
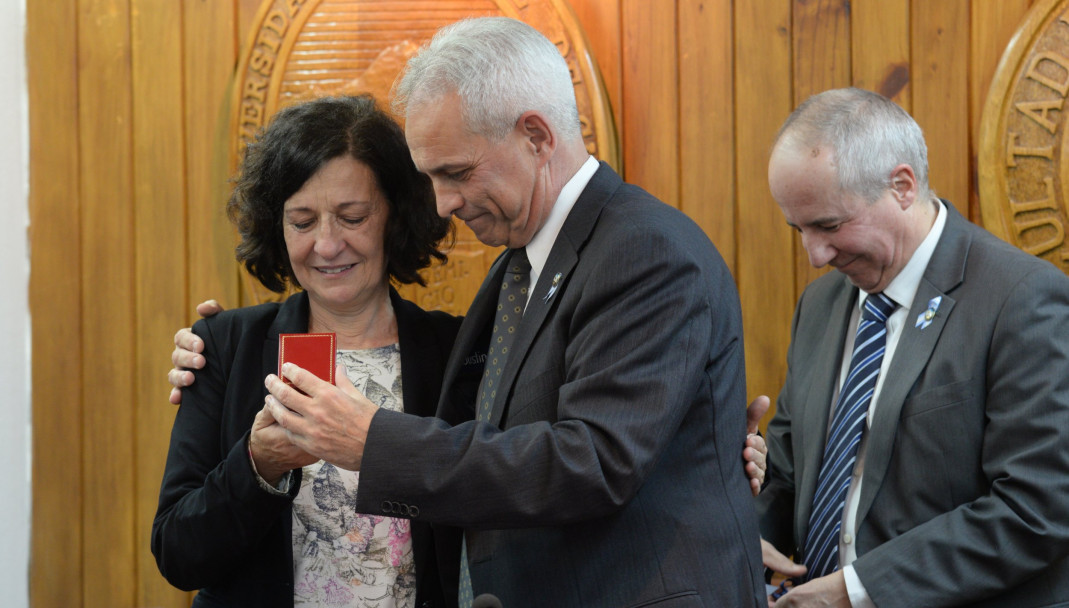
(14, 309)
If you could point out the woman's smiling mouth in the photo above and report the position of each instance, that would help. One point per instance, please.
(334, 269)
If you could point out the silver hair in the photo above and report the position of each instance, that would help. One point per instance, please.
(500, 68)
(869, 135)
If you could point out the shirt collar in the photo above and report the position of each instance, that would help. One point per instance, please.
(539, 247)
(903, 288)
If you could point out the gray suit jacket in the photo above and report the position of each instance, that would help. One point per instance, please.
(610, 474)
(965, 499)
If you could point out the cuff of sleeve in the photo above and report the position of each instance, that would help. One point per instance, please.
(859, 596)
(283, 487)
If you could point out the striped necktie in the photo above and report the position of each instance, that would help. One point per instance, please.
(847, 426)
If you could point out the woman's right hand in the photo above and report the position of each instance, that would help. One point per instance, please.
(186, 354)
(272, 452)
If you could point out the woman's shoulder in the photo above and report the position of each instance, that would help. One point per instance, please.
(411, 316)
(258, 318)
(411, 312)
(245, 316)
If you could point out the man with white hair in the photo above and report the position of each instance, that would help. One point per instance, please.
(595, 460)
(919, 455)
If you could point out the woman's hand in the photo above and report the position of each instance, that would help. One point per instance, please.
(272, 452)
(327, 421)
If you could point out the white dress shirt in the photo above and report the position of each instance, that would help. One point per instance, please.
(542, 242)
(902, 289)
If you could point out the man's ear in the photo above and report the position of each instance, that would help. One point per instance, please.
(533, 127)
(904, 185)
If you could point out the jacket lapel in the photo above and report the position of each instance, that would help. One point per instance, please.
(553, 280)
(561, 261)
(817, 410)
(945, 272)
(292, 318)
(414, 336)
(471, 343)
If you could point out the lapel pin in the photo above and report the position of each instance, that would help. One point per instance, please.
(552, 288)
(925, 318)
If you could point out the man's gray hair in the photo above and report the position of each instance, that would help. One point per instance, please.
(869, 135)
(500, 68)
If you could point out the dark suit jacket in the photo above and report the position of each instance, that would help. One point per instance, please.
(965, 498)
(215, 528)
(610, 474)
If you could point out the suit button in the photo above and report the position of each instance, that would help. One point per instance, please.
(387, 506)
(413, 511)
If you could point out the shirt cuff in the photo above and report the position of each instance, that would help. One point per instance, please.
(859, 597)
(283, 487)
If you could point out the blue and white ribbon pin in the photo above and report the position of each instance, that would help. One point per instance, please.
(925, 318)
(552, 288)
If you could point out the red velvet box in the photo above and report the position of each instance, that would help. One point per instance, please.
(313, 352)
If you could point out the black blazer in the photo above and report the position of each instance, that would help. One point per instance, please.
(215, 529)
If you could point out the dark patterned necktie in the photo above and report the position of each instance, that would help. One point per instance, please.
(847, 426)
(510, 304)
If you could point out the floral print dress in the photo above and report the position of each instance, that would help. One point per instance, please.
(341, 557)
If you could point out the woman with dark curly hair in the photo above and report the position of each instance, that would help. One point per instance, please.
(328, 200)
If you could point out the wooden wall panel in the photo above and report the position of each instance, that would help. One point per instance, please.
(821, 59)
(129, 167)
(706, 120)
(246, 12)
(600, 20)
(941, 94)
(55, 295)
(765, 263)
(651, 97)
(159, 234)
(210, 47)
(993, 25)
(879, 32)
(109, 320)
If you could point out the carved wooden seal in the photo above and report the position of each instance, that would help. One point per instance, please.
(1023, 160)
(305, 48)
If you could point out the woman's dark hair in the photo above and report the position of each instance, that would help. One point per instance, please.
(298, 142)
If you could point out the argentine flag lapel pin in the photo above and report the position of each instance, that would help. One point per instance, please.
(552, 288)
(925, 318)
